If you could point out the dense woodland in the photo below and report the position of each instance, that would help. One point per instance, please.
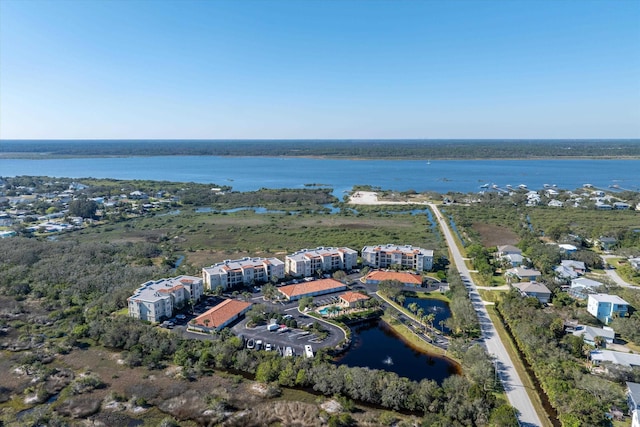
(366, 149)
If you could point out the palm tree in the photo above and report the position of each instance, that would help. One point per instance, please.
(430, 318)
(400, 298)
(413, 307)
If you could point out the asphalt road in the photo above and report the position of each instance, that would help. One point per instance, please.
(513, 386)
(613, 275)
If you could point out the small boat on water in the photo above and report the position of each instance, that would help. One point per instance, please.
(250, 343)
(522, 186)
(484, 186)
(388, 361)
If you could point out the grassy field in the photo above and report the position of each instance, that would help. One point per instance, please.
(206, 238)
(490, 296)
(585, 222)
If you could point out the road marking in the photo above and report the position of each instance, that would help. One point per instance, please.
(292, 308)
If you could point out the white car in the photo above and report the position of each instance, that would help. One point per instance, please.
(267, 347)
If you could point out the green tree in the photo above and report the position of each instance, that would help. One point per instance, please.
(504, 416)
(83, 207)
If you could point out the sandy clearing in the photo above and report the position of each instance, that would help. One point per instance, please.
(371, 198)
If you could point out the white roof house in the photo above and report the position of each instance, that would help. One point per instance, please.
(615, 357)
(605, 307)
(567, 248)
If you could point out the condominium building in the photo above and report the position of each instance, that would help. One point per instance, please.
(407, 256)
(157, 300)
(245, 271)
(307, 262)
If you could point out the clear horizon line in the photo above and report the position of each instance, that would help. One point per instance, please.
(323, 139)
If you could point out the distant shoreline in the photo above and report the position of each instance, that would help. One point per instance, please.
(50, 156)
(421, 150)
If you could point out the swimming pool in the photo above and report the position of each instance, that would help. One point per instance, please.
(327, 310)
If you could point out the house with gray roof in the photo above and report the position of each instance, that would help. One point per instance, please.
(589, 334)
(523, 273)
(581, 287)
(616, 357)
(534, 290)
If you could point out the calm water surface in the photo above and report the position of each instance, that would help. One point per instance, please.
(432, 306)
(376, 346)
(252, 173)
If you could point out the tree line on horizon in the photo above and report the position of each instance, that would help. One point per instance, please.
(366, 149)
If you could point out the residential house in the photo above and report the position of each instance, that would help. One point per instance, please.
(239, 272)
(621, 205)
(555, 203)
(605, 307)
(515, 260)
(307, 262)
(534, 290)
(582, 286)
(606, 243)
(158, 300)
(635, 263)
(407, 257)
(570, 269)
(620, 358)
(589, 334)
(567, 248)
(577, 266)
(523, 274)
(504, 250)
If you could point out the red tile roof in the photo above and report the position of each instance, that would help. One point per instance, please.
(310, 287)
(351, 297)
(393, 275)
(222, 312)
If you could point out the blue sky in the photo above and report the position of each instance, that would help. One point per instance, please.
(319, 69)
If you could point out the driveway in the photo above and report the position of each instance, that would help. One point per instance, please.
(511, 381)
